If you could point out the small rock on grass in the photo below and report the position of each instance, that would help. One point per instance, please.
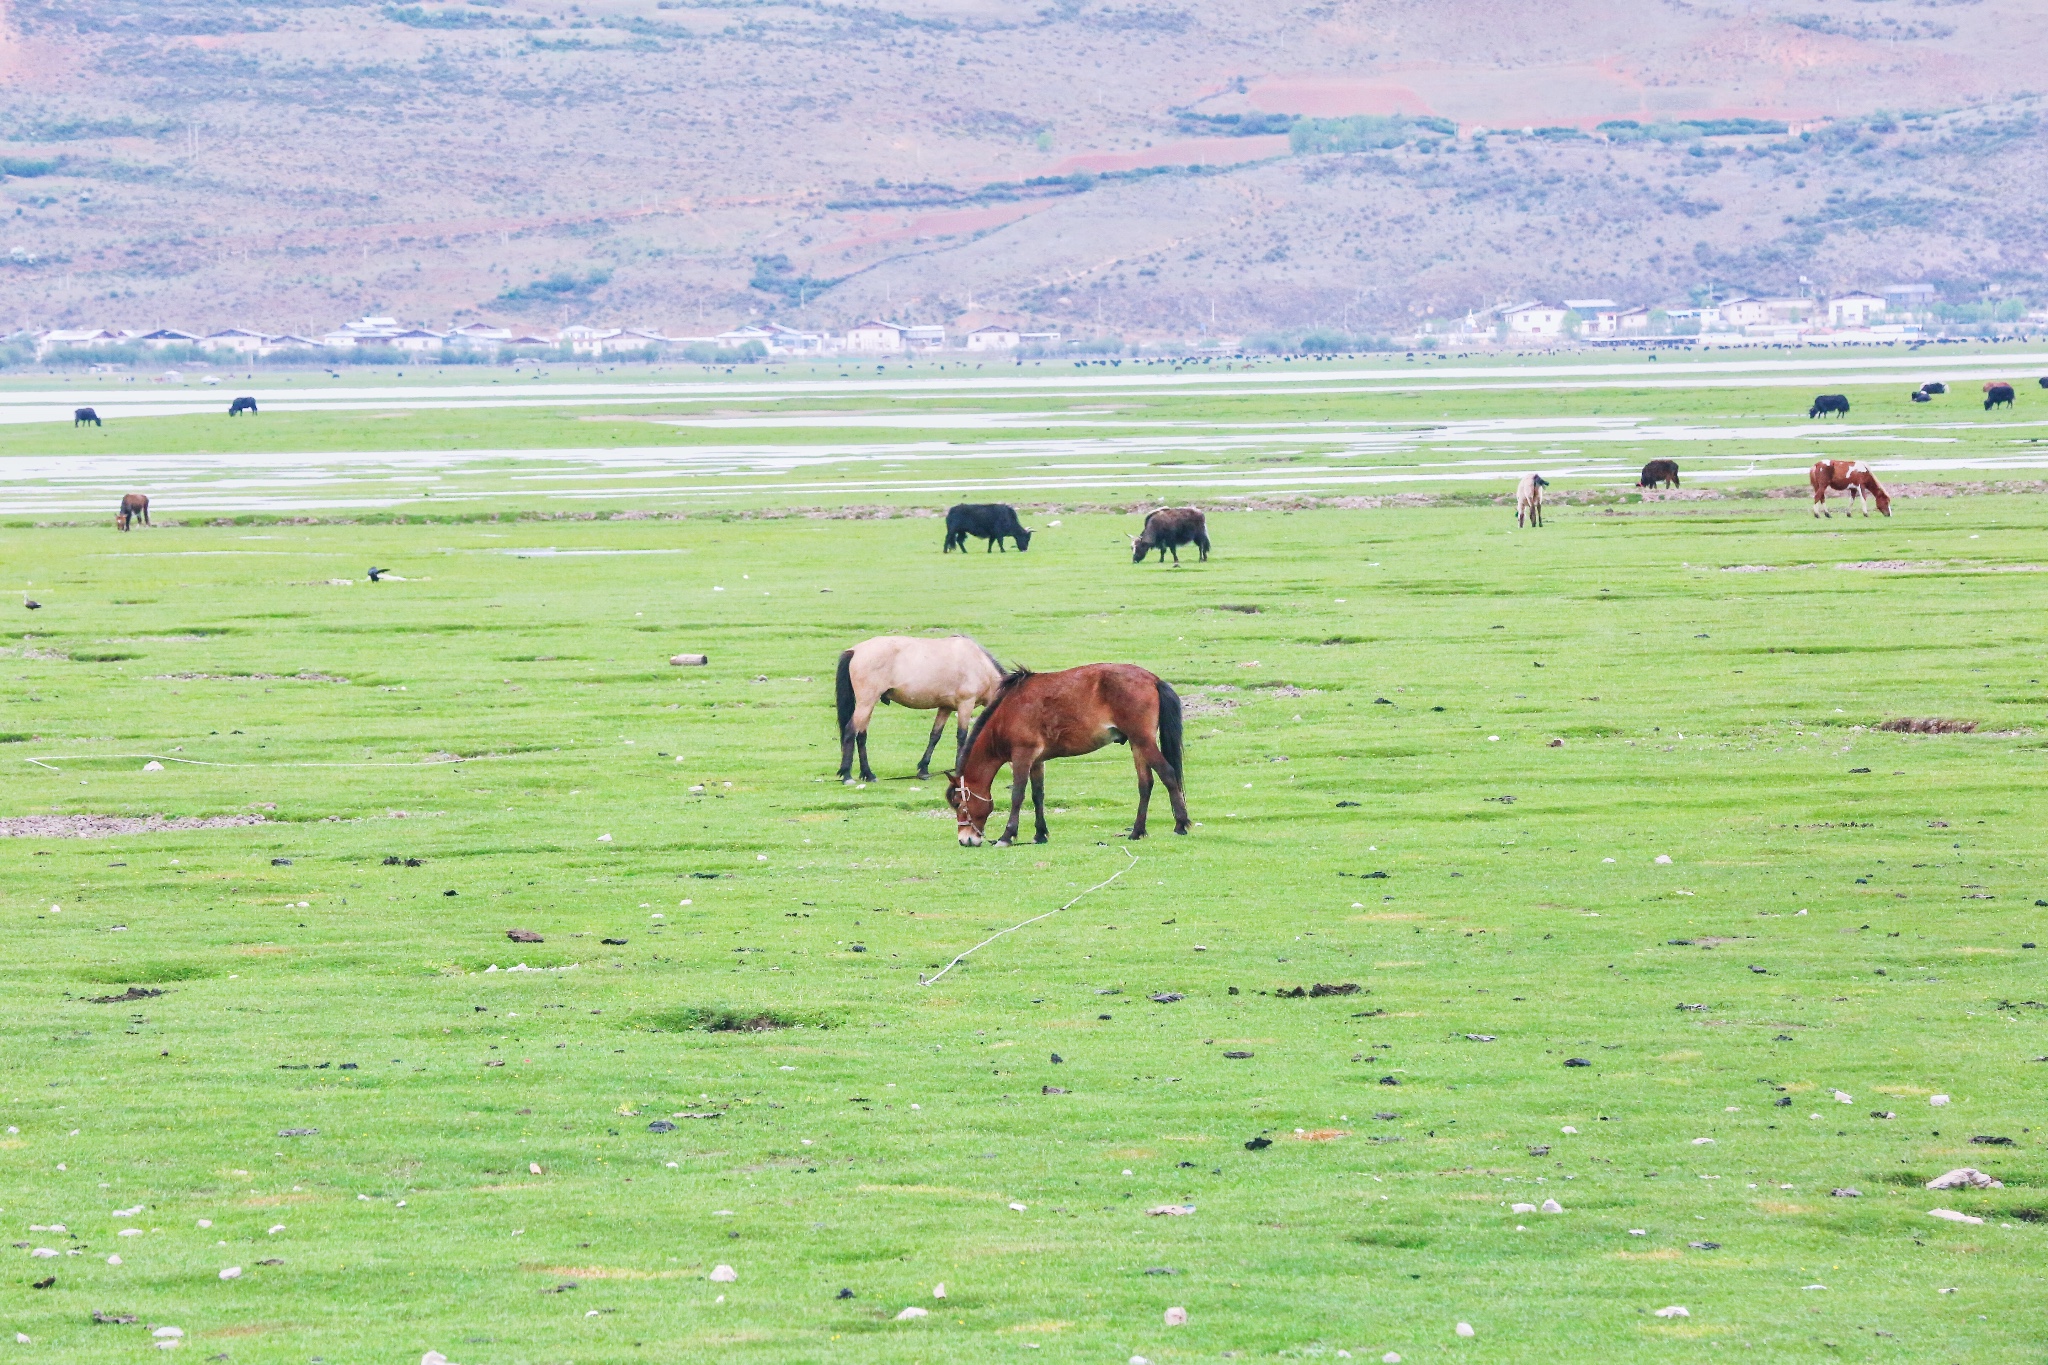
(1176, 1317)
(723, 1274)
(913, 1312)
(233, 1272)
(1965, 1177)
(1465, 1330)
(1950, 1215)
(1552, 1206)
(1170, 1211)
(1674, 1311)
(524, 936)
(1845, 1193)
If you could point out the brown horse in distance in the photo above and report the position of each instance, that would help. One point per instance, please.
(133, 505)
(1853, 477)
(1040, 716)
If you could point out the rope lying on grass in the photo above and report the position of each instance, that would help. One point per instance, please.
(932, 980)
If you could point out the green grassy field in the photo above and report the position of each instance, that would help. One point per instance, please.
(1858, 907)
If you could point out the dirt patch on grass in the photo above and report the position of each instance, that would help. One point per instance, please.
(1202, 704)
(132, 993)
(1929, 725)
(720, 1019)
(1667, 1254)
(240, 677)
(103, 826)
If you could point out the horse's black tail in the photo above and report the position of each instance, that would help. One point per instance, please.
(1169, 727)
(846, 698)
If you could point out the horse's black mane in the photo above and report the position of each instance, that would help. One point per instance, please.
(1009, 684)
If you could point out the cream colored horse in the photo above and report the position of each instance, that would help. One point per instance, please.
(952, 676)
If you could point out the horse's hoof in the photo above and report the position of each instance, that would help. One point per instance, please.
(1039, 839)
(1000, 843)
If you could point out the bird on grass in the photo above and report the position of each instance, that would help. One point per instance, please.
(30, 602)
(376, 574)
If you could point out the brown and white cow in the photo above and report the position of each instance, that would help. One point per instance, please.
(1850, 476)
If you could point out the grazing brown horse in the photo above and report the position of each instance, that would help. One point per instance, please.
(1852, 476)
(1037, 716)
(133, 505)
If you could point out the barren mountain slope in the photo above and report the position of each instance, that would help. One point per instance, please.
(200, 162)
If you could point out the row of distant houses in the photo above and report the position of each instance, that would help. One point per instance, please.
(1601, 319)
(873, 337)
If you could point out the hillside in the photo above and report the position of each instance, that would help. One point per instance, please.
(683, 164)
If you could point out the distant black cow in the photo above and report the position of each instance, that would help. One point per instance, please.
(1659, 473)
(1998, 395)
(1934, 386)
(991, 521)
(240, 406)
(84, 415)
(1921, 396)
(1823, 404)
(1167, 530)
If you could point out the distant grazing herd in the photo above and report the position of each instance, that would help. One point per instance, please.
(1170, 528)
